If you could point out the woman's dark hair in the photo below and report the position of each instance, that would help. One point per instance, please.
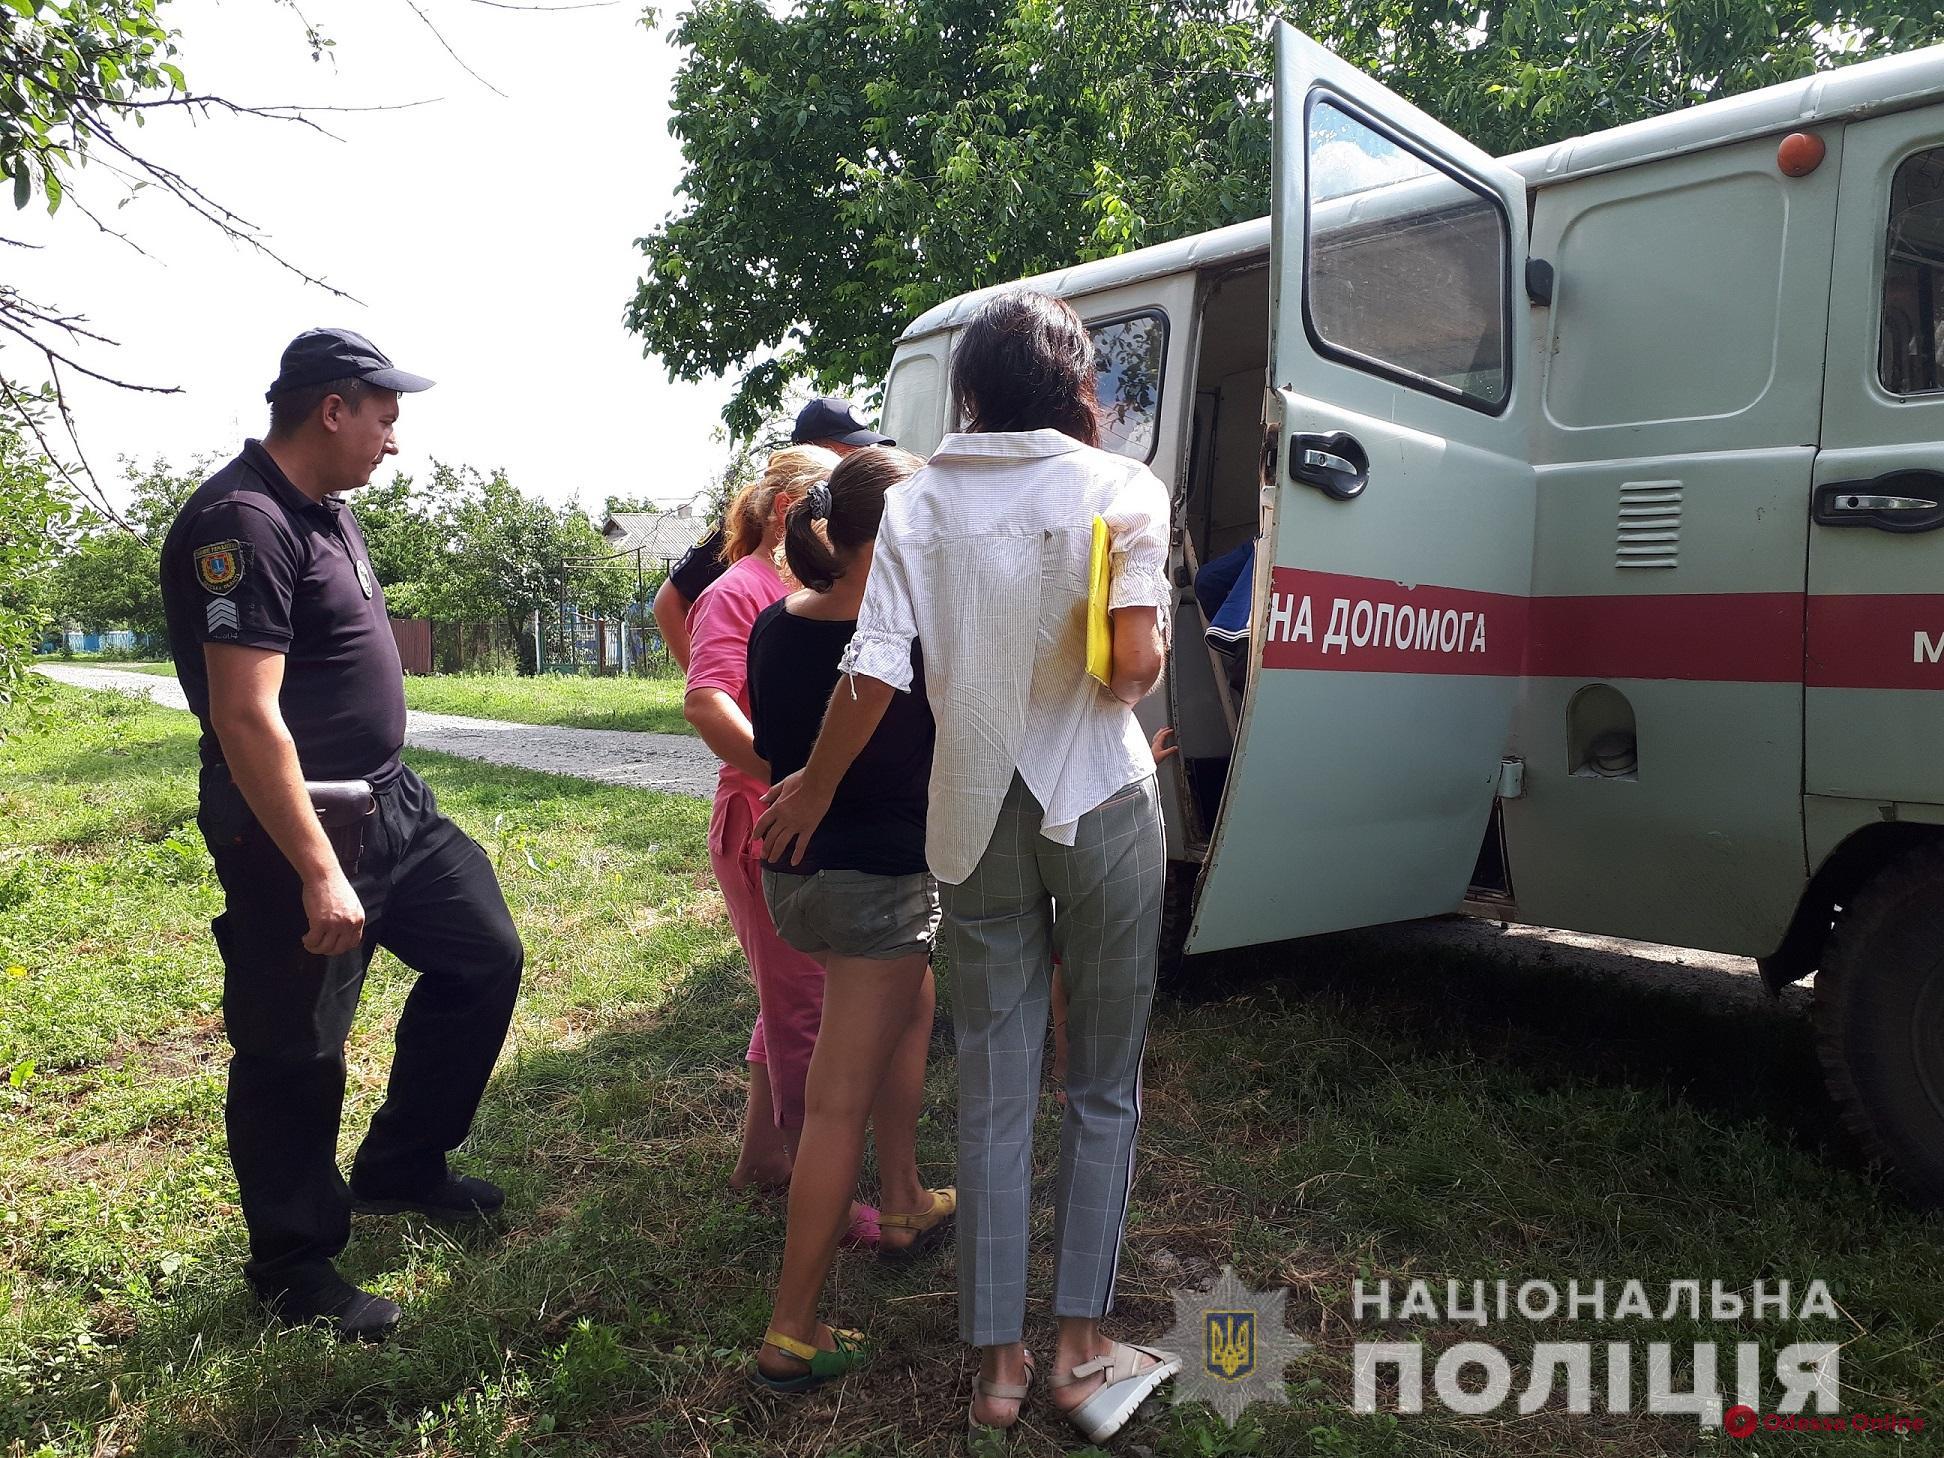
(836, 517)
(1026, 362)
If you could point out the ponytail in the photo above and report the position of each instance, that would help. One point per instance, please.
(834, 519)
(788, 474)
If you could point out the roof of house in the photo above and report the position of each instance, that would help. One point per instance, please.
(1868, 88)
(662, 535)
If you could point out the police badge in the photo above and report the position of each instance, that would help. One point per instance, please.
(1243, 1341)
(220, 566)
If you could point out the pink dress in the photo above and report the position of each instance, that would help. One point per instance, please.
(789, 984)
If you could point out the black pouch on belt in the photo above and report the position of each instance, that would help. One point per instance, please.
(343, 809)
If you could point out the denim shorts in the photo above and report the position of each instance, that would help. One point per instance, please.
(853, 913)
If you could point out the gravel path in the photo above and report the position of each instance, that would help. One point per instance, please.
(683, 765)
(677, 763)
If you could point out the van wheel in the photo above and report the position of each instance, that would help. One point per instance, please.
(1177, 916)
(1880, 1020)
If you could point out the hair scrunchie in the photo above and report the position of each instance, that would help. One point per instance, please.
(817, 498)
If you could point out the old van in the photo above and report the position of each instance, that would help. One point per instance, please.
(1594, 495)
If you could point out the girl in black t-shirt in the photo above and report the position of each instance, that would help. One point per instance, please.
(862, 903)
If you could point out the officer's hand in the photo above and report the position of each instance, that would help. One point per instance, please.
(336, 915)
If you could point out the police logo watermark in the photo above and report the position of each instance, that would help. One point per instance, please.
(220, 566)
(1236, 1343)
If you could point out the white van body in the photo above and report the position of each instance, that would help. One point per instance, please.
(1596, 526)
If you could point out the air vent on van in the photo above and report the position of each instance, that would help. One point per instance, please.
(1650, 524)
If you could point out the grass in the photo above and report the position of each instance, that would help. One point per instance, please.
(1379, 1106)
(653, 704)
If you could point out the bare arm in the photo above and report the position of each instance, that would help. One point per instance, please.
(723, 726)
(671, 616)
(799, 803)
(262, 758)
(1139, 653)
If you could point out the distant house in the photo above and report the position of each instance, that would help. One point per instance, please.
(660, 536)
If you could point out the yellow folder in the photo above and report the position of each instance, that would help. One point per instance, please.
(1100, 632)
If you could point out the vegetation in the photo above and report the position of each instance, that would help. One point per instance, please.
(35, 516)
(852, 162)
(470, 547)
(1361, 1107)
(463, 546)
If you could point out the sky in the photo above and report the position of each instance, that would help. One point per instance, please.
(489, 241)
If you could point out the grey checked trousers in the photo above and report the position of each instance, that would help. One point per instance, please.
(999, 931)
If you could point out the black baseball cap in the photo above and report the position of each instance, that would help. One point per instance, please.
(320, 355)
(828, 418)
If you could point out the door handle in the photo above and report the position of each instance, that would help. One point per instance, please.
(1897, 501)
(1335, 464)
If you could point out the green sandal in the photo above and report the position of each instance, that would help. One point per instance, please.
(852, 1351)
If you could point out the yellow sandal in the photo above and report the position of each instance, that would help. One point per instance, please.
(929, 1225)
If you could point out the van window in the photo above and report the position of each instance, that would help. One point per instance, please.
(1128, 358)
(1911, 355)
(911, 403)
(1405, 266)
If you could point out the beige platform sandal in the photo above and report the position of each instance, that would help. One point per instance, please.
(1126, 1387)
(978, 1433)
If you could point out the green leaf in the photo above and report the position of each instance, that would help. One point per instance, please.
(22, 1071)
(23, 185)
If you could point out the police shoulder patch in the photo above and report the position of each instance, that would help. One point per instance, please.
(220, 566)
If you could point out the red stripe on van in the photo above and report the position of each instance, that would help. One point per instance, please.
(1879, 641)
(1458, 642)
(1714, 637)
(1874, 641)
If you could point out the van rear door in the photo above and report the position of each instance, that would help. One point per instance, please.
(1394, 566)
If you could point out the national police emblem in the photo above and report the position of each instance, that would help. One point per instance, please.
(1241, 1340)
(220, 566)
(1228, 1351)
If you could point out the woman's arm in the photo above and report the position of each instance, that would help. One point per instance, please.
(671, 616)
(722, 726)
(1139, 653)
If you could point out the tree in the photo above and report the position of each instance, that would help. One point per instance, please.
(850, 163)
(109, 576)
(35, 518)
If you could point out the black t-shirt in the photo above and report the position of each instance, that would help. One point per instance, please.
(877, 817)
(252, 560)
(700, 566)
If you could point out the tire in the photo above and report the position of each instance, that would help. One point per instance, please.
(1177, 917)
(1880, 1020)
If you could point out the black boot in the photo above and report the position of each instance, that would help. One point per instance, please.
(456, 1197)
(329, 1299)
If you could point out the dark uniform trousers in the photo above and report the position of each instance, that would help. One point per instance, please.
(430, 899)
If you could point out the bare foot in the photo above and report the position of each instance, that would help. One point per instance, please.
(897, 1237)
(767, 1175)
(1001, 1412)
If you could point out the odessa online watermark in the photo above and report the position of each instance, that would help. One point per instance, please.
(1236, 1345)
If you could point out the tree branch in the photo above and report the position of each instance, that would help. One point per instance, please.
(439, 36)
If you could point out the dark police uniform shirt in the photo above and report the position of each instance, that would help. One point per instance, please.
(252, 560)
(700, 565)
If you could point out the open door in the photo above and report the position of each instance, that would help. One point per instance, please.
(1395, 561)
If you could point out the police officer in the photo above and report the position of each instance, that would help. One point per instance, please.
(284, 652)
(826, 421)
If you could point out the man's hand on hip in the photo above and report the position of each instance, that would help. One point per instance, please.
(336, 915)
